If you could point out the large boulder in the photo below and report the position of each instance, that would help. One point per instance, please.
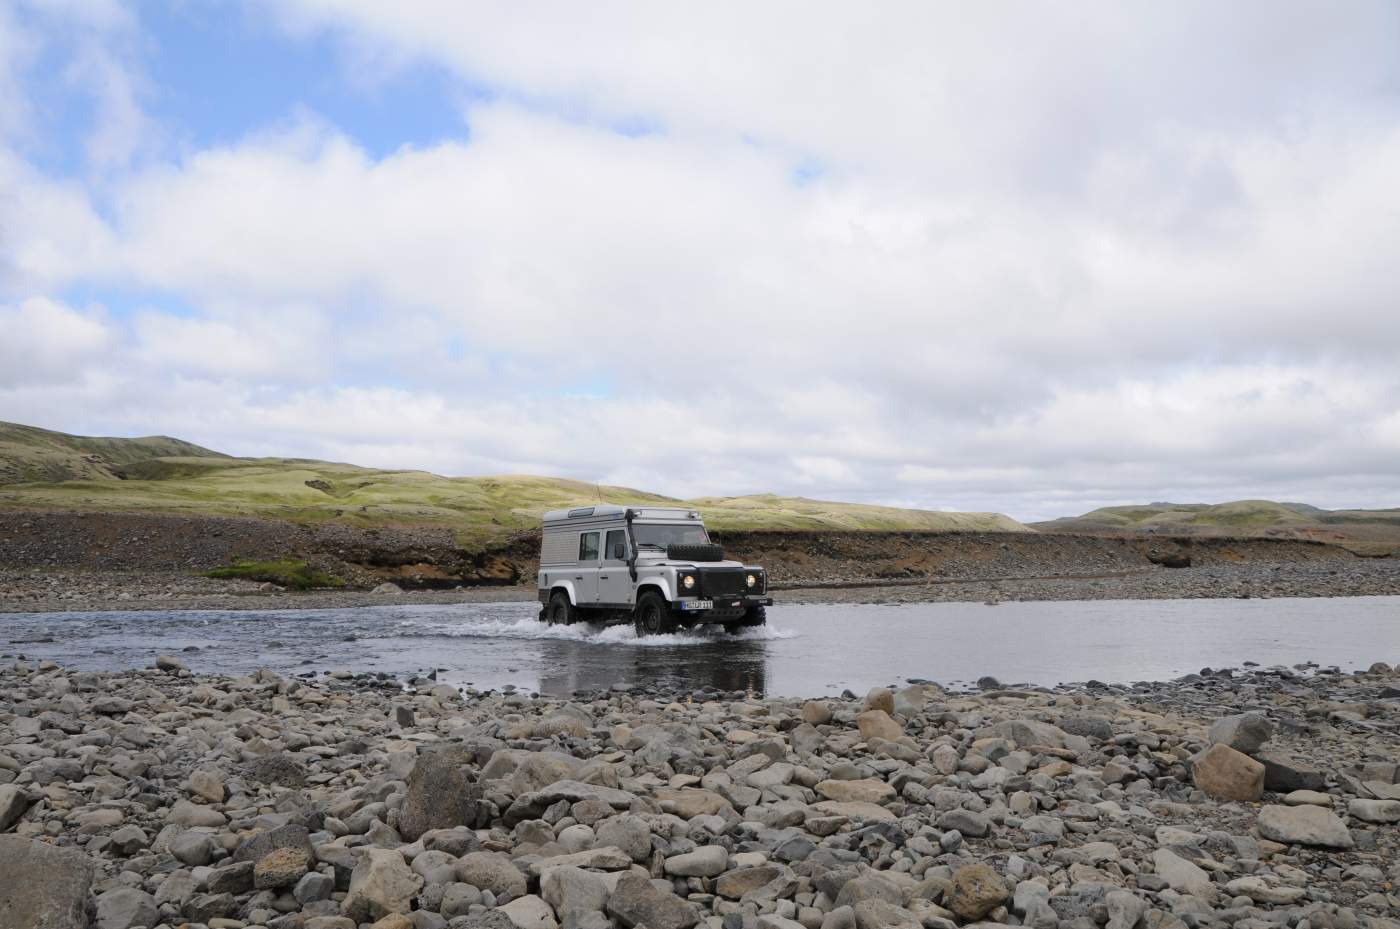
(13, 803)
(441, 794)
(1244, 732)
(1375, 811)
(126, 908)
(43, 887)
(877, 724)
(491, 871)
(382, 883)
(1227, 774)
(1304, 825)
(574, 892)
(1181, 875)
(635, 901)
(705, 861)
(975, 892)
(864, 790)
(1283, 774)
(1027, 732)
(525, 771)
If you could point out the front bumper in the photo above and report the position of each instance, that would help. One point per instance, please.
(727, 605)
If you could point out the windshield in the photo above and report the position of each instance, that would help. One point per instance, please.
(662, 536)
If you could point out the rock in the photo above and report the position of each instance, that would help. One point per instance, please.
(313, 887)
(1283, 774)
(573, 892)
(742, 882)
(1245, 732)
(598, 859)
(1180, 874)
(441, 794)
(208, 785)
(491, 871)
(192, 848)
(124, 908)
(388, 587)
(1304, 825)
(380, 884)
(1257, 890)
(877, 724)
(706, 861)
(1307, 798)
(1226, 774)
(976, 891)
(636, 902)
(966, 822)
(234, 878)
(867, 790)
(690, 802)
(1125, 909)
(42, 886)
(264, 842)
(881, 914)
(1375, 811)
(1027, 732)
(13, 803)
(129, 839)
(169, 664)
(280, 868)
(945, 759)
(185, 813)
(530, 912)
(880, 698)
(816, 712)
(629, 833)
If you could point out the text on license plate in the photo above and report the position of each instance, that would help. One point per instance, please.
(697, 604)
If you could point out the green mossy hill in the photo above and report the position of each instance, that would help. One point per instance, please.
(192, 481)
(31, 455)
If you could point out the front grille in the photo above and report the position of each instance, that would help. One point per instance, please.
(722, 583)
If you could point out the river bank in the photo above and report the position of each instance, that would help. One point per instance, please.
(162, 798)
(63, 590)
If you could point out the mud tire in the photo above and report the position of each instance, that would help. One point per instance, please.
(560, 611)
(653, 615)
(754, 616)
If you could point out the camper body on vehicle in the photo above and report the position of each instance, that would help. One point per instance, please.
(652, 566)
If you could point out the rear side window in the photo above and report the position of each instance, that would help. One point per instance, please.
(588, 547)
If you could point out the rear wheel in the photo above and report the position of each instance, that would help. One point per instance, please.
(561, 612)
(753, 616)
(653, 615)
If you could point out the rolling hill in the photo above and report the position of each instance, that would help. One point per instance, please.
(1364, 531)
(42, 470)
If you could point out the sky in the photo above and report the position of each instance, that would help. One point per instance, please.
(1025, 258)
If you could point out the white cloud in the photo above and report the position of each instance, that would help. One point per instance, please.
(1045, 265)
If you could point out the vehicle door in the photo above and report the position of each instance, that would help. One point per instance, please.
(614, 579)
(586, 574)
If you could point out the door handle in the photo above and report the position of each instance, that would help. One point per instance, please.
(578, 577)
(602, 577)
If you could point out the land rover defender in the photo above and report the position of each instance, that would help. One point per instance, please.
(652, 566)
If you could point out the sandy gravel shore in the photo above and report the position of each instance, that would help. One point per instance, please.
(40, 590)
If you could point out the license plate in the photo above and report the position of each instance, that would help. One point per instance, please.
(697, 604)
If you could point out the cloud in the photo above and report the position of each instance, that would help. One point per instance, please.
(1044, 264)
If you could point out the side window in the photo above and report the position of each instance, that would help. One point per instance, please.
(616, 547)
(588, 547)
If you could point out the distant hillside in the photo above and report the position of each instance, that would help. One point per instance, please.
(30, 455)
(60, 472)
(1366, 531)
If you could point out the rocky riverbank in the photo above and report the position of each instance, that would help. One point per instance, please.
(161, 799)
(63, 590)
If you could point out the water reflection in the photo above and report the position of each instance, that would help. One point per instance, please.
(569, 666)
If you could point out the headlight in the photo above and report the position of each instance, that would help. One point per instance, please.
(751, 580)
(688, 581)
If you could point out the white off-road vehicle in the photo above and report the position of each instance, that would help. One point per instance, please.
(651, 566)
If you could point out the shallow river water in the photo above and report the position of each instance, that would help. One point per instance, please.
(806, 650)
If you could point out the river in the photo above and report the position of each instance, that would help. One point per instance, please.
(806, 650)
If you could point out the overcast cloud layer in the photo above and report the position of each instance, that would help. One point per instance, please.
(1014, 258)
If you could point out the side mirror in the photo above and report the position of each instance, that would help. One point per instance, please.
(619, 551)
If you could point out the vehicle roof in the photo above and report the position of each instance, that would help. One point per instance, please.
(606, 510)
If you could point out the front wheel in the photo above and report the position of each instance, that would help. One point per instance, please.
(560, 612)
(653, 615)
(753, 616)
